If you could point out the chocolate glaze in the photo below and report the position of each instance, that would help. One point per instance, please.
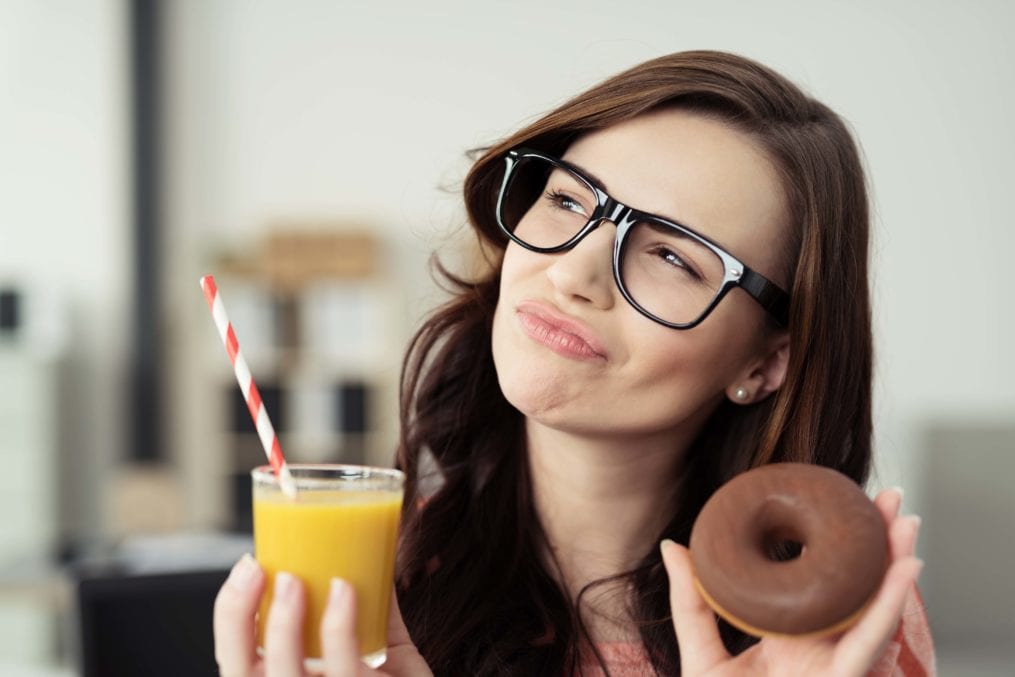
(844, 557)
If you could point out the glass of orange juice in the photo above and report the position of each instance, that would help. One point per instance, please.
(343, 522)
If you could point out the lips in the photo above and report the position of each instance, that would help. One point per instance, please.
(560, 333)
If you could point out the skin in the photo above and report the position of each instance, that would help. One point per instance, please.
(606, 432)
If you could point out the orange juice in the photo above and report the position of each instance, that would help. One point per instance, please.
(334, 527)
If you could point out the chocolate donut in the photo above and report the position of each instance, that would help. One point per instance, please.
(740, 571)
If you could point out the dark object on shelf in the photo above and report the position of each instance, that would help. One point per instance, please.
(247, 452)
(285, 310)
(352, 398)
(271, 396)
(10, 311)
(243, 506)
(151, 625)
(353, 450)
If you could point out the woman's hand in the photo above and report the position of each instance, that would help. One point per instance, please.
(235, 609)
(851, 653)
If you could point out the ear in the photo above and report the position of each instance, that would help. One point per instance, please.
(763, 376)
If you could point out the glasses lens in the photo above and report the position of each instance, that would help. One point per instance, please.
(544, 205)
(669, 273)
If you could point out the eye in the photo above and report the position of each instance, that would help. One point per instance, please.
(674, 259)
(566, 202)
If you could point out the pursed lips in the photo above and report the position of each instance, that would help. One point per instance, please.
(559, 332)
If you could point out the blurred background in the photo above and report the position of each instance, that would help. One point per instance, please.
(310, 154)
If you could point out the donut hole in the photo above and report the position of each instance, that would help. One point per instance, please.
(781, 544)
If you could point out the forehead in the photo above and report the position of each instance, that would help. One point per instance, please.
(695, 170)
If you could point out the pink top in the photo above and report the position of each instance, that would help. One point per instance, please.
(910, 653)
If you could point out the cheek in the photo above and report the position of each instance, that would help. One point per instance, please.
(672, 375)
(671, 380)
(515, 365)
(518, 265)
(529, 381)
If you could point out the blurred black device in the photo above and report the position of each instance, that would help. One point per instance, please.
(150, 625)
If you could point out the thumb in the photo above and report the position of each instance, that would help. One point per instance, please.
(701, 648)
(398, 635)
(403, 656)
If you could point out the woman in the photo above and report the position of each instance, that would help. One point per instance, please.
(582, 400)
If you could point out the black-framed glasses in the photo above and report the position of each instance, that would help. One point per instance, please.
(668, 272)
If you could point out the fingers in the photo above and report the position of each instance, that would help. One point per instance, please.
(338, 631)
(864, 642)
(283, 643)
(888, 503)
(901, 530)
(693, 620)
(233, 618)
(902, 537)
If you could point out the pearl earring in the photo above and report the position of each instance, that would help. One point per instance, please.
(740, 393)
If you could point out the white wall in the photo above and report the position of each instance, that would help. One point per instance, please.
(64, 216)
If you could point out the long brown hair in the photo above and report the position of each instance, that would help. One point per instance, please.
(473, 588)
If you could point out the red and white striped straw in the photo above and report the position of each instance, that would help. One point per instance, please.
(269, 440)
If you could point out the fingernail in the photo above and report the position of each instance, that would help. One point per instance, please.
(900, 491)
(664, 543)
(244, 572)
(285, 584)
(339, 591)
(919, 567)
(917, 520)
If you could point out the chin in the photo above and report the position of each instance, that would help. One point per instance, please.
(530, 391)
(550, 402)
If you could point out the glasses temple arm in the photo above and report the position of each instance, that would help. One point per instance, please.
(771, 297)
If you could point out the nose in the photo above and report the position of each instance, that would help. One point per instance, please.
(584, 273)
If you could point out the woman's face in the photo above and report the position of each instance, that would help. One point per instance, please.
(572, 354)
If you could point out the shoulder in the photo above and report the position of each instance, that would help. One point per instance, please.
(621, 659)
(910, 653)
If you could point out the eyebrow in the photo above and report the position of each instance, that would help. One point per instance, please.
(596, 181)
